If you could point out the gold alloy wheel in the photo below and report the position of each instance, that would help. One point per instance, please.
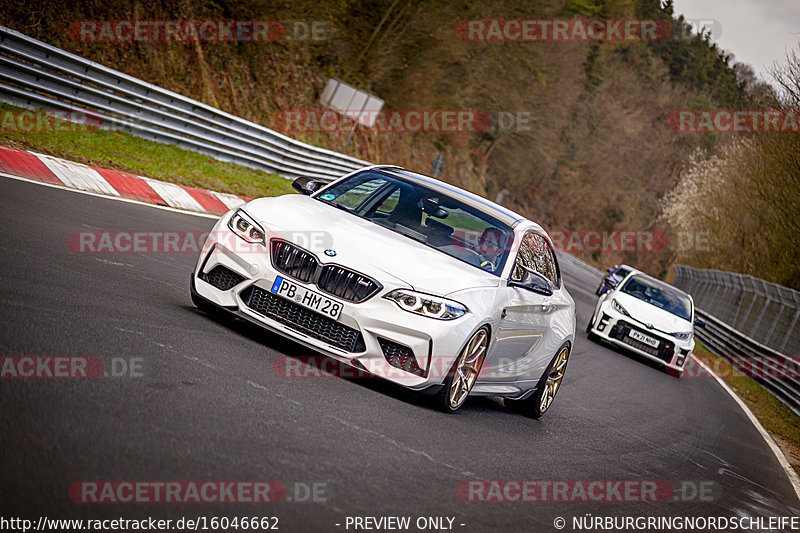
(554, 379)
(467, 369)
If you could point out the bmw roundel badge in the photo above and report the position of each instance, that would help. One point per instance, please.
(330, 253)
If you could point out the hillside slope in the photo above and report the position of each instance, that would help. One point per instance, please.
(594, 151)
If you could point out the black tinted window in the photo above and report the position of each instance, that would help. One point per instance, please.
(661, 296)
(438, 220)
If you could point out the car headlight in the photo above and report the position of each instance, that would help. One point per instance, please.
(427, 305)
(684, 336)
(618, 308)
(246, 228)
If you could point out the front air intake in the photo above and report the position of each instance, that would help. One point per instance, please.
(222, 278)
(400, 356)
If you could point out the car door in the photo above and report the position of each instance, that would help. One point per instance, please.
(520, 349)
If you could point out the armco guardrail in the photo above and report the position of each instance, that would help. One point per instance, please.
(752, 323)
(766, 312)
(777, 372)
(34, 74)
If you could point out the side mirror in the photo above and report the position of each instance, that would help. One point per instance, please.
(535, 282)
(700, 323)
(307, 185)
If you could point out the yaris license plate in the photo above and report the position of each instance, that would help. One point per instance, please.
(641, 337)
(306, 298)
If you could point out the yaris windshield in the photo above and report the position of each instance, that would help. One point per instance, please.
(440, 221)
(660, 296)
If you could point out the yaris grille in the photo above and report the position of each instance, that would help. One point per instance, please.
(665, 349)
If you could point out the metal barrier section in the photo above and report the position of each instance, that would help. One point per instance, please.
(36, 75)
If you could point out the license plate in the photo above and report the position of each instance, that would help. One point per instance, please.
(306, 298)
(641, 337)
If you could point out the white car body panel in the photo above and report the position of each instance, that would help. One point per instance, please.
(300, 218)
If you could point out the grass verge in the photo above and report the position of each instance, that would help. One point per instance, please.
(122, 151)
(774, 415)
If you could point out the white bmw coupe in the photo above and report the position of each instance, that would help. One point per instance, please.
(401, 276)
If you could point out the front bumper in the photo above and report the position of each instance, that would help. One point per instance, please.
(614, 327)
(367, 335)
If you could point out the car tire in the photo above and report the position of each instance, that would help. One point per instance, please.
(547, 388)
(464, 373)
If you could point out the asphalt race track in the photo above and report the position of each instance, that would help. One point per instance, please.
(206, 404)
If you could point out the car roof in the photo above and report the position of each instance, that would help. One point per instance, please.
(499, 212)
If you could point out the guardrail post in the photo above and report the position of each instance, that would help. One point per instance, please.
(789, 331)
(754, 328)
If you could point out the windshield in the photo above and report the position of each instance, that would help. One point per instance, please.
(424, 215)
(659, 295)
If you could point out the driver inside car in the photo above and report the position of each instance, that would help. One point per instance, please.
(491, 246)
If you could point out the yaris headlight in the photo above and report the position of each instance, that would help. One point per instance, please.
(427, 305)
(618, 308)
(683, 336)
(246, 228)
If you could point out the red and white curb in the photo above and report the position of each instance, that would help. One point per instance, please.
(55, 171)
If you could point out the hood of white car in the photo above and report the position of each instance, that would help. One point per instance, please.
(364, 246)
(650, 314)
